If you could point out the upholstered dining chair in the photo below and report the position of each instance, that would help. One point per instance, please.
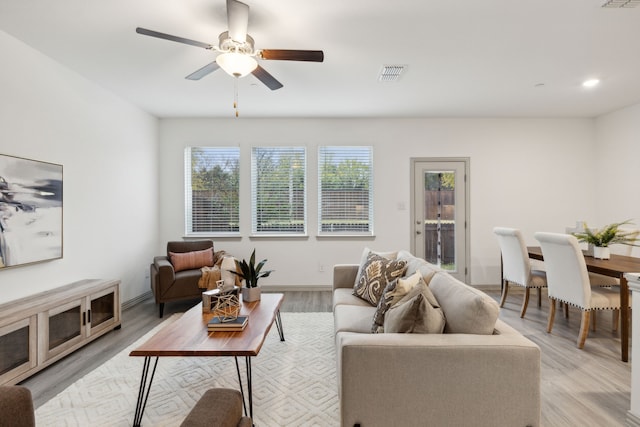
(16, 407)
(568, 282)
(516, 267)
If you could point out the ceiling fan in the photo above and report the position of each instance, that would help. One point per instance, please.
(236, 49)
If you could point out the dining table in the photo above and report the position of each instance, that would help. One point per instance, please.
(616, 266)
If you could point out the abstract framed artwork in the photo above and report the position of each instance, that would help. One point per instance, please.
(30, 211)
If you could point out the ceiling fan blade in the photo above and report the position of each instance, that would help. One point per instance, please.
(159, 35)
(204, 71)
(266, 78)
(292, 55)
(237, 20)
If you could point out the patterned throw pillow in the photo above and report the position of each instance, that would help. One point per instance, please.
(376, 273)
(191, 260)
(390, 296)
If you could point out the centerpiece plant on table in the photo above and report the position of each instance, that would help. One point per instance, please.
(611, 234)
(251, 273)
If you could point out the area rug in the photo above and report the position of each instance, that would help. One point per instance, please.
(294, 383)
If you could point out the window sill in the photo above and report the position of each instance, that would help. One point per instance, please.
(197, 236)
(279, 236)
(327, 236)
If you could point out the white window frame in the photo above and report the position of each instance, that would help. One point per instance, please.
(353, 153)
(289, 201)
(188, 210)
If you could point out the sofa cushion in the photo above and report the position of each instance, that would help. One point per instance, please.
(345, 296)
(191, 260)
(390, 296)
(374, 276)
(353, 318)
(415, 264)
(417, 312)
(467, 310)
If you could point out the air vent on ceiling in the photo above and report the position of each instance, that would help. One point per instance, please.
(621, 3)
(391, 73)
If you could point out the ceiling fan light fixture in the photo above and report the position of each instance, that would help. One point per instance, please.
(236, 64)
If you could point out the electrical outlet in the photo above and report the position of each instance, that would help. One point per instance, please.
(321, 268)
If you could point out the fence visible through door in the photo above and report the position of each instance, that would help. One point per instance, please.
(439, 201)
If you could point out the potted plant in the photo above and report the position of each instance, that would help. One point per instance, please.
(249, 272)
(609, 235)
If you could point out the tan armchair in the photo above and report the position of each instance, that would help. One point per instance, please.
(167, 284)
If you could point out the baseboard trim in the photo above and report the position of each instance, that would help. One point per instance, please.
(487, 287)
(137, 300)
(295, 288)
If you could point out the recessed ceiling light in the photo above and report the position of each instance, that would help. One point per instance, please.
(591, 83)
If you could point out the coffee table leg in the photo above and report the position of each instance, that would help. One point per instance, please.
(143, 391)
(249, 385)
(279, 325)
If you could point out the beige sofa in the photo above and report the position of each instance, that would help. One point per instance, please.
(477, 373)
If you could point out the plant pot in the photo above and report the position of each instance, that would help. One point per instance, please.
(601, 252)
(251, 294)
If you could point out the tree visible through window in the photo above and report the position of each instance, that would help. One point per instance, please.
(345, 195)
(278, 190)
(211, 189)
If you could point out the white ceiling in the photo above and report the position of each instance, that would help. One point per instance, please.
(465, 58)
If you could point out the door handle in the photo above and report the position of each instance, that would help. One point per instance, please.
(418, 232)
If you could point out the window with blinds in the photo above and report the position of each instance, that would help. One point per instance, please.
(278, 190)
(212, 177)
(345, 190)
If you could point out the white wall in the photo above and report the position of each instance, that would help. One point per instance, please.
(618, 167)
(109, 153)
(526, 173)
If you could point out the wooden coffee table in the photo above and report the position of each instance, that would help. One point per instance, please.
(188, 336)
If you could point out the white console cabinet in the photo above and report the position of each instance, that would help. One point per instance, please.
(40, 329)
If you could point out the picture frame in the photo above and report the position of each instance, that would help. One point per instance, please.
(31, 211)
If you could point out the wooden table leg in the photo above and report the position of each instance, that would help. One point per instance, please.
(624, 318)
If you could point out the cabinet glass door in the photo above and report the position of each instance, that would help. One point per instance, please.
(102, 309)
(17, 348)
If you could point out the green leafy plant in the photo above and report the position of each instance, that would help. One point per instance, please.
(251, 272)
(608, 235)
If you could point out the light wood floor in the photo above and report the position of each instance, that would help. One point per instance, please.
(589, 387)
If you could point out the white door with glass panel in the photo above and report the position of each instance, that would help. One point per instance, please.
(439, 216)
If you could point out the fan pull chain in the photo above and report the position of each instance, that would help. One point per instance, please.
(235, 95)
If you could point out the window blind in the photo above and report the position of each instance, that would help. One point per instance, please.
(212, 177)
(345, 190)
(278, 190)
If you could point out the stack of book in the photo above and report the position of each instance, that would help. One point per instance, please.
(218, 324)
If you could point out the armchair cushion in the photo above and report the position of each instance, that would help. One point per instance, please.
(191, 260)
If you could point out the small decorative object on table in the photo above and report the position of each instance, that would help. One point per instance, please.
(234, 325)
(250, 273)
(227, 307)
(210, 298)
(609, 235)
